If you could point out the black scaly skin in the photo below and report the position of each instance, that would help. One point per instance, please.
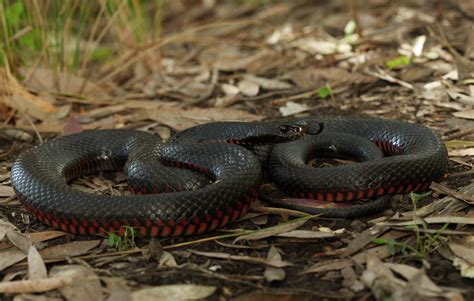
(41, 174)
(415, 158)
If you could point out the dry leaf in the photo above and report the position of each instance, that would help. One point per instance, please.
(324, 47)
(463, 255)
(18, 97)
(248, 88)
(83, 283)
(33, 286)
(230, 90)
(268, 83)
(36, 267)
(466, 114)
(306, 234)
(174, 292)
(42, 79)
(272, 273)
(180, 119)
(10, 256)
(292, 108)
(6, 191)
(271, 231)
(339, 264)
(71, 249)
(257, 260)
(461, 152)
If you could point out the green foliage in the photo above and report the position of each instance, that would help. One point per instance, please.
(426, 242)
(325, 91)
(397, 62)
(394, 246)
(125, 242)
(66, 35)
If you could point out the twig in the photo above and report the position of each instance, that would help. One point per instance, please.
(453, 193)
(459, 134)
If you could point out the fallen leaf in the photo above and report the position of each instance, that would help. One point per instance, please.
(33, 286)
(324, 47)
(167, 260)
(363, 239)
(458, 94)
(117, 289)
(339, 264)
(271, 231)
(230, 90)
(43, 236)
(409, 273)
(313, 78)
(6, 191)
(42, 79)
(466, 114)
(10, 256)
(268, 83)
(249, 259)
(180, 119)
(36, 267)
(434, 220)
(71, 249)
(18, 97)
(380, 279)
(173, 292)
(306, 234)
(82, 282)
(272, 273)
(351, 280)
(461, 152)
(248, 88)
(292, 108)
(463, 257)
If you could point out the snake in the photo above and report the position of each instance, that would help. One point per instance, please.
(208, 176)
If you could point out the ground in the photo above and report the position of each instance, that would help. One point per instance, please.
(248, 61)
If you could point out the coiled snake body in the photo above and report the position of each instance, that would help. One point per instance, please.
(41, 174)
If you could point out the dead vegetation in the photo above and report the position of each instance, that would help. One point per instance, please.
(164, 67)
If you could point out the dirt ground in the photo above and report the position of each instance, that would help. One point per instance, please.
(239, 60)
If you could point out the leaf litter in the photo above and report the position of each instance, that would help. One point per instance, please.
(246, 62)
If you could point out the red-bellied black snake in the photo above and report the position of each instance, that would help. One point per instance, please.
(219, 181)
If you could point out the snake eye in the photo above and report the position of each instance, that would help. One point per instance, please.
(284, 129)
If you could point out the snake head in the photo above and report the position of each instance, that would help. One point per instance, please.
(296, 129)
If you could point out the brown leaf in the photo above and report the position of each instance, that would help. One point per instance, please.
(311, 78)
(248, 88)
(72, 126)
(248, 259)
(174, 292)
(306, 234)
(339, 264)
(18, 97)
(268, 83)
(10, 256)
(180, 119)
(33, 286)
(42, 79)
(75, 248)
(36, 267)
(83, 283)
(271, 231)
(466, 114)
(6, 191)
(461, 152)
(272, 273)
